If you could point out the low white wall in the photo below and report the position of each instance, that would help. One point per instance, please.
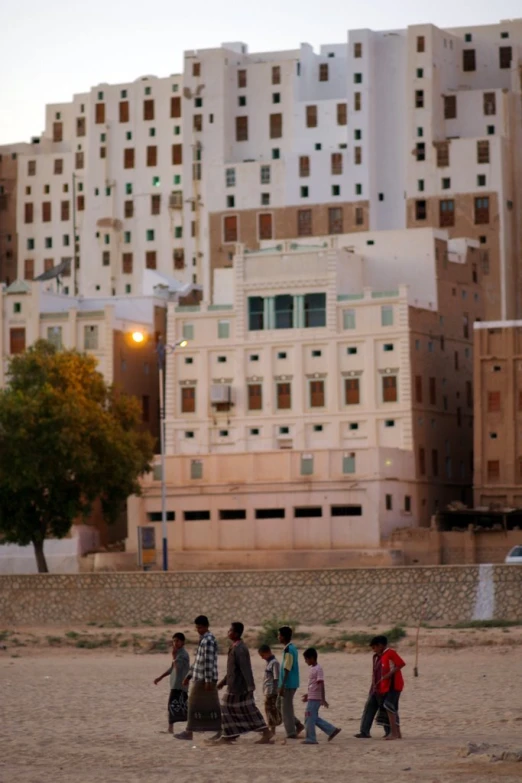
(62, 555)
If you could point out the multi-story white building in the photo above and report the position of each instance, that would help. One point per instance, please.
(387, 130)
(325, 381)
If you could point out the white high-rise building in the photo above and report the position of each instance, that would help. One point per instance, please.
(386, 130)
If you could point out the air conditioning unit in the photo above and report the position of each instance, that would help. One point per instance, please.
(220, 394)
(176, 199)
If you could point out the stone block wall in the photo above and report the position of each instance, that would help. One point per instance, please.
(362, 596)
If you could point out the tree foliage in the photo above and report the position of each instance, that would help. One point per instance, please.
(66, 439)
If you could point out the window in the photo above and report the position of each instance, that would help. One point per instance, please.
(196, 69)
(357, 155)
(317, 397)
(152, 156)
(197, 121)
(469, 394)
(276, 74)
(304, 191)
(80, 126)
(90, 338)
(256, 318)
(150, 234)
(58, 166)
(54, 336)
(29, 269)
(483, 151)
(357, 78)
(420, 44)
(420, 73)
(223, 329)
(265, 175)
(504, 58)
(230, 178)
(155, 204)
(230, 228)
(150, 259)
(241, 128)
(489, 102)
(177, 154)
(342, 114)
(353, 426)
(304, 166)
(481, 182)
(276, 153)
(241, 78)
(493, 470)
(188, 399)
(349, 463)
(352, 391)
(389, 388)
(284, 396)
(491, 130)
(301, 512)
(255, 396)
(422, 462)
(468, 60)
(304, 222)
(357, 101)
(435, 462)
(494, 399)
(265, 225)
(349, 320)
(481, 210)
(359, 216)
(127, 263)
(419, 99)
(311, 116)
(282, 355)
(307, 465)
(276, 126)
(128, 208)
(314, 310)
(231, 201)
(446, 213)
(387, 315)
(28, 212)
(284, 311)
(99, 113)
(335, 220)
(323, 72)
(357, 49)
(420, 209)
(336, 190)
(16, 340)
(443, 154)
(148, 109)
(450, 107)
(48, 241)
(79, 160)
(445, 183)
(337, 163)
(389, 502)
(433, 391)
(420, 150)
(407, 504)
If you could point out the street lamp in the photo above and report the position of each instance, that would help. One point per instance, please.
(162, 350)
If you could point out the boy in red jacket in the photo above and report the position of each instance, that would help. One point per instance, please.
(390, 684)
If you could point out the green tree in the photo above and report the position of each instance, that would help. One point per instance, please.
(66, 439)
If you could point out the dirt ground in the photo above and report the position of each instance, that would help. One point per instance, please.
(75, 715)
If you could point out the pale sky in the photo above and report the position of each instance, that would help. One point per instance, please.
(50, 50)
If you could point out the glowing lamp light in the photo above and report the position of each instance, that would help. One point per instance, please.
(388, 462)
(138, 337)
(183, 344)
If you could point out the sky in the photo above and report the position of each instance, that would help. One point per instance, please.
(51, 50)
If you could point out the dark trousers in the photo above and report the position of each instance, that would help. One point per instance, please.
(373, 705)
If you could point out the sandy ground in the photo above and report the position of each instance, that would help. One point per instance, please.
(85, 716)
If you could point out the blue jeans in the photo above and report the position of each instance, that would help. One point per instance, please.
(312, 720)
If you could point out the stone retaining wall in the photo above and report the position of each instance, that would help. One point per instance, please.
(362, 596)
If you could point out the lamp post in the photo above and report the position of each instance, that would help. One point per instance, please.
(162, 350)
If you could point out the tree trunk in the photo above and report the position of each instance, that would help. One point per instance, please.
(40, 557)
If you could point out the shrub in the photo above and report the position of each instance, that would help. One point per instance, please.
(269, 630)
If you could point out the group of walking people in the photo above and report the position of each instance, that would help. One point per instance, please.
(237, 713)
